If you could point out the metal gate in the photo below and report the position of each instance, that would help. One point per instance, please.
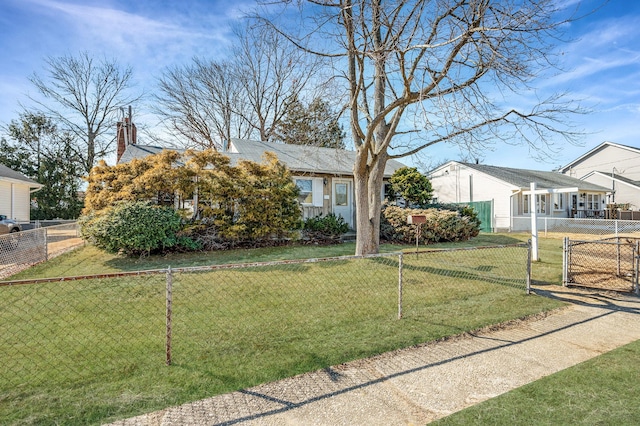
(609, 264)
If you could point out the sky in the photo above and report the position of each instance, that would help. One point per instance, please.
(601, 62)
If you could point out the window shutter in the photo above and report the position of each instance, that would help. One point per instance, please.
(318, 195)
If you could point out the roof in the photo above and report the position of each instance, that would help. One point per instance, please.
(522, 178)
(298, 158)
(615, 176)
(603, 145)
(305, 158)
(9, 174)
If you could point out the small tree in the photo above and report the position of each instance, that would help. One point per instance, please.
(411, 185)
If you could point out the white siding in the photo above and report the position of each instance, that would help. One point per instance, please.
(456, 183)
(15, 200)
(624, 160)
(21, 202)
(625, 193)
(5, 198)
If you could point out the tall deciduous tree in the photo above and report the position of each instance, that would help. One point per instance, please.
(40, 151)
(83, 95)
(419, 73)
(199, 103)
(210, 102)
(315, 124)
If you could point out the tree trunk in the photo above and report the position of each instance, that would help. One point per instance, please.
(368, 179)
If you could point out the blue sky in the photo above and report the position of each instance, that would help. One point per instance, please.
(602, 63)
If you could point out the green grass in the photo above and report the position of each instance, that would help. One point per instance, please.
(89, 260)
(601, 391)
(234, 328)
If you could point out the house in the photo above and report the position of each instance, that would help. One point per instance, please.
(15, 194)
(613, 166)
(324, 175)
(508, 190)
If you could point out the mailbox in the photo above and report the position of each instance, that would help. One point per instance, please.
(416, 219)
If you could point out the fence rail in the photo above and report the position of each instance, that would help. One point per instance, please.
(587, 228)
(21, 250)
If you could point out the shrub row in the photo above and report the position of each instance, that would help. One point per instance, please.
(441, 225)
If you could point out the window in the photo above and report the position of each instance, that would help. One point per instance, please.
(311, 191)
(541, 203)
(306, 190)
(593, 201)
(341, 194)
(558, 201)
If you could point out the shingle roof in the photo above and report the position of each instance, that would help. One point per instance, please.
(522, 178)
(298, 158)
(305, 159)
(6, 172)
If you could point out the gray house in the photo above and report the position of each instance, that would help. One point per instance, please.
(324, 175)
(15, 194)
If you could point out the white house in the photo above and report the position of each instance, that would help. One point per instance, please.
(508, 189)
(15, 194)
(324, 175)
(614, 166)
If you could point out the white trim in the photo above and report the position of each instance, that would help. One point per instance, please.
(608, 176)
(593, 150)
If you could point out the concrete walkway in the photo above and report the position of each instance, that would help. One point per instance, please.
(417, 385)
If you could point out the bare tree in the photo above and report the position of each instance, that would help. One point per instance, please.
(86, 95)
(273, 74)
(209, 102)
(419, 73)
(200, 103)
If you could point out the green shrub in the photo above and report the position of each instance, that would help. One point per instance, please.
(135, 228)
(324, 229)
(441, 225)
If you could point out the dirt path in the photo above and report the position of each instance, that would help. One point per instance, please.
(418, 385)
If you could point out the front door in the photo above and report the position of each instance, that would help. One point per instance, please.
(342, 195)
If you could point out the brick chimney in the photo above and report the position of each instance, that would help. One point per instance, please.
(126, 132)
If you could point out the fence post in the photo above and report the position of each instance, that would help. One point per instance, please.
(545, 227)
(618, 260)
(529, 267)
(565, 261)
(46, 245)
(636, 289)
(400, 286)
(169, 314)
(616, 226)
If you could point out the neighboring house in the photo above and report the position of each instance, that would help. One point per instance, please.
(324, 175)
(508, 190)
(613, 166)
(15, 194)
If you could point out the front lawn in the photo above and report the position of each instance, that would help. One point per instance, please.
(85, 352)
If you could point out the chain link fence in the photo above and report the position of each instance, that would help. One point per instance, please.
(20, 250)
(214, 324)
(587, 228)
(609, 264)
